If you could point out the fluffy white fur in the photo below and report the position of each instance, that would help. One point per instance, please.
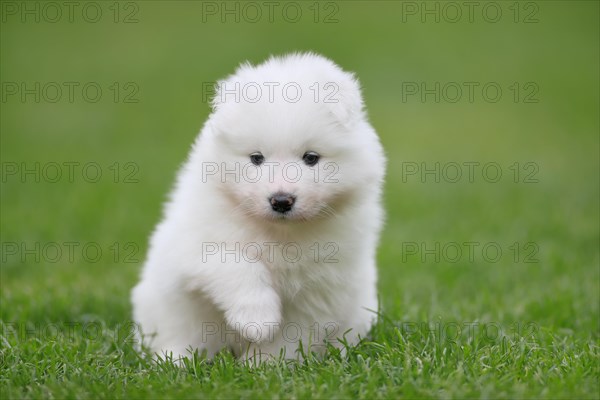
(216, 274)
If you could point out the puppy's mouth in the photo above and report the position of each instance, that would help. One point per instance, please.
(296, 214)
(286, 208)
(285, 216)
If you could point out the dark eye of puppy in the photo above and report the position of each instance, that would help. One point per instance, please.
(310, 158)
(257, 158)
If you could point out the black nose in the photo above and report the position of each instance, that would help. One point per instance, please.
(282, 202)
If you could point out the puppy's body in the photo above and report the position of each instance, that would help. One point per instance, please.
(261, 249)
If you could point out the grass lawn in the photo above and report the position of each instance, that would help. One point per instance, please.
(489, 266)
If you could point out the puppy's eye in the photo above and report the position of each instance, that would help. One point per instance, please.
(310, 158)
(257, 158)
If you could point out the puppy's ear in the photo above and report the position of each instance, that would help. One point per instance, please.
(216, 100)
(344, 99)
(228, 90)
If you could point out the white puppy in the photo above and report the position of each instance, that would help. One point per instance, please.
(268, 241)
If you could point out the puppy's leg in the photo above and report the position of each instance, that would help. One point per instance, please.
(244, 292)
(172, 323)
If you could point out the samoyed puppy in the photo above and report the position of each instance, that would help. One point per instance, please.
(267, 245)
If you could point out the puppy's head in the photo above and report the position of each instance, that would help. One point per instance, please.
(290, 140)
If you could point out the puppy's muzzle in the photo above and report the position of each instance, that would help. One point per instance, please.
(282, 202)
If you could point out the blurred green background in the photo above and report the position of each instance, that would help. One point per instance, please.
(168, 50)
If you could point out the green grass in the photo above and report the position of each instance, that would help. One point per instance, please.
(476, 328)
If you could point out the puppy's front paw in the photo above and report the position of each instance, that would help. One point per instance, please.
(256, 319)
